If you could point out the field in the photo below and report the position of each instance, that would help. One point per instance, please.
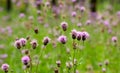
(98, 53)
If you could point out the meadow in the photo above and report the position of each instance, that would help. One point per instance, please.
(51, 41)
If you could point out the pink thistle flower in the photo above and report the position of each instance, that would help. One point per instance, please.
(18, 44)
(23, 41)
(114, 39)
(5, 67)
(85, 35)
(73, 14)
(22, 15)
(25, 60)
(88, 22)
(74, 34)
(79, 35)
(34, 44)
(62, 39)
(64, 26)
(46, 40)
(82, 9)
(73, 1)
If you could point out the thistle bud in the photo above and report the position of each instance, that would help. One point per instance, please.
(17, 44)
(58, 63)
(46, 40)
(64, 26)
(34, 44)
(74, 34)
(36, 30)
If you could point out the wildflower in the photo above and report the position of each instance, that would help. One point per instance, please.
(79, 35)
(17, 44)
(5, 67)
(106, 62)
(114, 39)
(82, 9)
(62, 39)
(74, 34)
(36, 30)
(58, 63)
(22, 15)
(69, 65)
(88, 22)
(23, 41)
(85, 35)
(64, 26)
(46, 40)
(73, 14)
(25, 60)
(34, 44)
(73, 1)
(56, 71)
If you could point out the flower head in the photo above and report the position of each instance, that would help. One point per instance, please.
(82, 9)
(64, 26)
(73, 14)
(18, 44)
(74, 34)
(34, 44)
(62, 39)
(85, 35)
(46, 40)
(5, 67)
(25, 60)
(79, 35)
(114, 39)
(23, 41)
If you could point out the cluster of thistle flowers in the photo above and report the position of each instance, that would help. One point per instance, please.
(19, 44)
(75, 34)
(79, 35)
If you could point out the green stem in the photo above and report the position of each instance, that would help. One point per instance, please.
(73, 61)
(38, 60)
(68, 70)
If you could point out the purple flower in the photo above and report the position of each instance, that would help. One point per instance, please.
(5, 67)
(22, 15)
(62, 39)
(82, 9)
(106, 23)
(64, 26)
(25, 60)
(46, 40)
(74, 34)
(79, 35)
(114, 39)
(23, 41)
(88, 22)
(34, 44)
(74, 14)
(85, 35)
(18, 44)
(73, 1)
